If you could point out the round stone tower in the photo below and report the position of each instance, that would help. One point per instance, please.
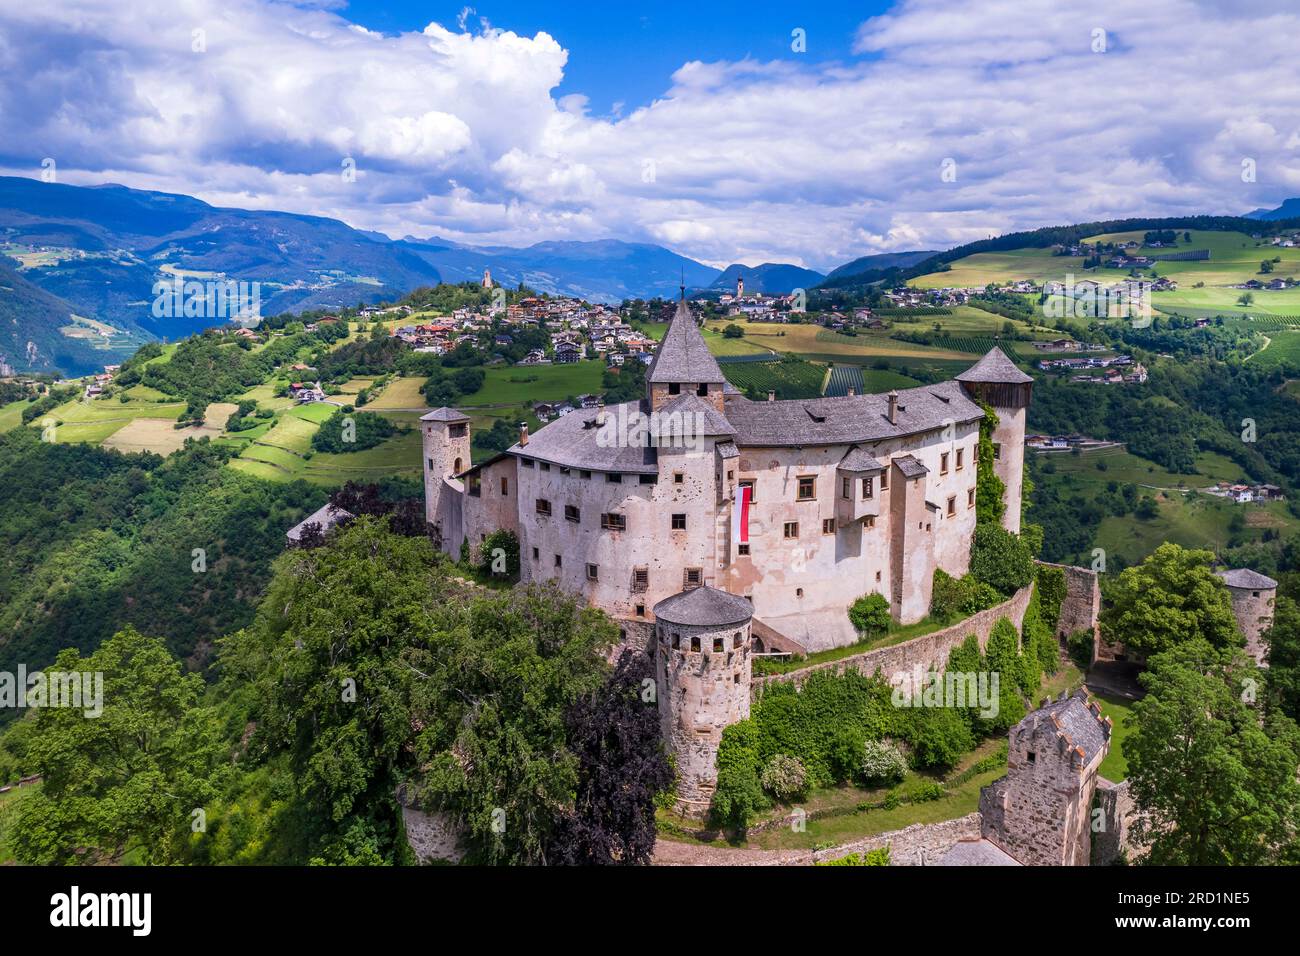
(1253, 597)
(446, 455)
(995, 380)
(702, 653)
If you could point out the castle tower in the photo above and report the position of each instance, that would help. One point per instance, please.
(995, 380)
(702, 660)
(1041, 811)
(487, 278)
(1253, 597)
(740, 286)
(683, 364)
(446, 454)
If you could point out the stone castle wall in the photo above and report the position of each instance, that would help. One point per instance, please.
(921, 844)
(927, 651)
(1113, 838)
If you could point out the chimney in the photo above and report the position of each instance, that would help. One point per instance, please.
(893, 407)
(771, 395)
(523, 434)
(600, 412)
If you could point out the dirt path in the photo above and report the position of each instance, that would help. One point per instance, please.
(672, 853)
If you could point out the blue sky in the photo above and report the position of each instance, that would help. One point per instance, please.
(921, 124)
(626, 52)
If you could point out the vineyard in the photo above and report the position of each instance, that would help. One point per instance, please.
(843, 378)
(790, 378)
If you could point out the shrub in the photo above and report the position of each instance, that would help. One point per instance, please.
(844, 754)
(1000, 559)
(1080, 647)
(952, 598)
(870, 614)
(879, 857)
(490, 551)
(355, 431)
(785, 778)
(882, 763)
(739, 795)
(927, 792)
(938, 736)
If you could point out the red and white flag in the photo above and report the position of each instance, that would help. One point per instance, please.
(740, 519)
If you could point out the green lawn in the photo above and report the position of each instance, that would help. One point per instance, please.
(1115, 768)
(1119, 465)
(11, 415)
(516, 385)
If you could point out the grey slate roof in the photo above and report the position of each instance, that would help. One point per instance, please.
(327, 516)
(977, 853)
(571, 441)
(1247, 580)
(858, 458)
(699, 413)
(994, 367)
(683, 355)
(704, 607)
(848, 419)
(728, 449)
(445, 414)
(1084, 728)
(911, 467)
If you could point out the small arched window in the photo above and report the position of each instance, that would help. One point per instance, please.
(456, 469)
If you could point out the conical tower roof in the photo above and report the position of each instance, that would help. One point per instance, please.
(683, 355)
(995, 367)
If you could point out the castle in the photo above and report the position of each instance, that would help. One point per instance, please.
(714, 528)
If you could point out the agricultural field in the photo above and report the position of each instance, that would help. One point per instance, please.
(789, 379)
(1282, 347)
(986, 267)
(11, 415)
(843, 379)
(514, 385)
(161, 437)
(398, 393)
(97, 420)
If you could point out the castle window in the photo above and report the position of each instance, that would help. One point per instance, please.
(678, 478)
(679, 522)
(457, 431)
(674, 388)
(526, 462)
(584, 473)
(1254, 594)
(614, 478)
(970, 497)
(952, 504)
(563, 470)
(702, 389)
(868, 488)
(730, 474)
(695, 644)
(961, 454)
(735, 678)
(792, 529)
(649, 479)
(828, 525)
(798, 592)
(877, 577)
(571, 513)
(884, 478)
(432, 466)
(457, 466)
(475, 487)
(543, 507)
(544, 465)
(735, 639)
(677, 642)
(559, 561)
(536, 555)
(997, 451)
(613, 522)
(717, 645)
(943, 463)
(742, 549)
(593, 572)
(807, 488)
(692, 577)
(1030, 756)
(640, 579)
(505, 485)
(753, 488)
(640, 610)
(846, 487)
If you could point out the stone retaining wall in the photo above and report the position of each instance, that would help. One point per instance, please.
(925, 652)
(921, 844)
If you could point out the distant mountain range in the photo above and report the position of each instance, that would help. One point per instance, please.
(78, 266)
(1290, 209)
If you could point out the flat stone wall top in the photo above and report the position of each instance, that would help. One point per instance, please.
(928, 650)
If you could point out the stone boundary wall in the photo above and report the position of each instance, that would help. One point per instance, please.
(921, 844)
(1118, 812)
(1082, 605)
(926, 651)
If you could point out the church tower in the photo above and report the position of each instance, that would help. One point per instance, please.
(740, 287)
(995, 380)
(487, 278)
